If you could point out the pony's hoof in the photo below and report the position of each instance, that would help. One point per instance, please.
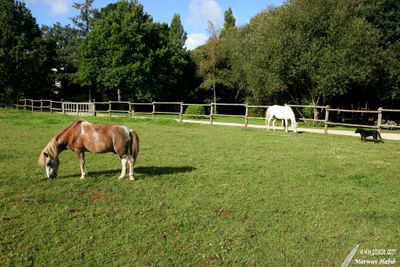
(121, 177)
(82, 177)
(131, 178)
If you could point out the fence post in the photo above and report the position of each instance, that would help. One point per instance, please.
(154, 110)
(129, 109)
(25, 104)
(109, 108)
(32, 104)
(63, 107)
(41, 105)
(326, 119)
(94, 107)
(316, 113)
(246, 119)
(211, 113)
(379, 122)
(181, 112)
(51, 106)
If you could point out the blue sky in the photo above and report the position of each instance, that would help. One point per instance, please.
(194, 13)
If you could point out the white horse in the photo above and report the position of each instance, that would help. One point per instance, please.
(283, 113)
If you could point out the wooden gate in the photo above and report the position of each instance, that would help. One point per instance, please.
(78, 108)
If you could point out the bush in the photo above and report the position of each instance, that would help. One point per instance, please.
(194, 112)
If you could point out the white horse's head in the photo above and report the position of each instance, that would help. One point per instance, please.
(294, 125)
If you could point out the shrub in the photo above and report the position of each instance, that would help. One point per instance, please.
(194, 112)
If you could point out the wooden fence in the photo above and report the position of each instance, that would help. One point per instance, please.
(321, 114)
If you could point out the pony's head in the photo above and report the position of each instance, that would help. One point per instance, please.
(51, 165)
(49, 159)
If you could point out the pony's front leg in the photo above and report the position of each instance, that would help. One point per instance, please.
(273, 124)
(123, 171)
(81, 156)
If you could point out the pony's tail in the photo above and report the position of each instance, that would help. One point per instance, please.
(134, 145)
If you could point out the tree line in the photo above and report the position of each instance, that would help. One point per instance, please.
(337, 52)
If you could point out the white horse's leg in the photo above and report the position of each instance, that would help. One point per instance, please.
(123, 171)
(81, 156)
(273, 125)
(286, 125)
(268, 122)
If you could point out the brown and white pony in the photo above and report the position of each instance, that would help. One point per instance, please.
(82, 136)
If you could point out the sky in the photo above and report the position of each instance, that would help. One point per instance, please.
(194, 13)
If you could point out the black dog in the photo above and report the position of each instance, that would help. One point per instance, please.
(365, 133)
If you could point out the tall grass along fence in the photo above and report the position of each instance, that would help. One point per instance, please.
(240, 113)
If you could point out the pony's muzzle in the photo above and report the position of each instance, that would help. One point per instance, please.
(52, 174)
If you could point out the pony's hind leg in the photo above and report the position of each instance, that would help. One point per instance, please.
(123, 171)
(82, 164)
(131, 162)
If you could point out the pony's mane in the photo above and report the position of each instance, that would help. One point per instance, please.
(52, 148)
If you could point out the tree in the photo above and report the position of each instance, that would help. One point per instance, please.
(384, 15)
(24, 56)
(126, 53)
(216, 64)
(229, 22)
(229, 65)
(206, 60)
(177, 34)
(311, 51)
(65, 43)
(180, 73)
(84, 22)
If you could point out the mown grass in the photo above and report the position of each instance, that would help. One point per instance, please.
(204, 196)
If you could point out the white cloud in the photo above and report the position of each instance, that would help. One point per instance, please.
(195, 39)
(58, 7)
(202, 11)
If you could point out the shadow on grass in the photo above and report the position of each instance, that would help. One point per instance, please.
(149, 171)
(156, 171)
(370, 140)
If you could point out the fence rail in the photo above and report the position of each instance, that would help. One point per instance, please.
(132, 109)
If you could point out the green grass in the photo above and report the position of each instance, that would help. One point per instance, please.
(204, 196)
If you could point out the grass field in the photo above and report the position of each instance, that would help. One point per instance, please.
(204, 196)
